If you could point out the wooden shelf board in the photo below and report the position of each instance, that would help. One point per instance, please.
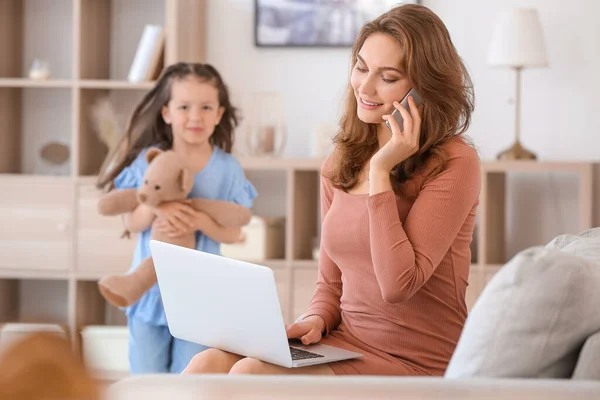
(486, 267)
(305, 264)
(112, 84)
(30, 178)
(14, 273)
(280, 164)
(35, 83)
(90, 275)
(273, 263)
(87, 179)
(255, 164)
(535, 166)
(493, 267)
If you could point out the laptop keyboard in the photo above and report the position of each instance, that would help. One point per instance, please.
(298, 354)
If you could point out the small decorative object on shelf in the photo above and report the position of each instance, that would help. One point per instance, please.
(39, 70)
(55, 153)
(146, 63)
(53, 159)
(265, 129)
(109, 130)
(263, 239)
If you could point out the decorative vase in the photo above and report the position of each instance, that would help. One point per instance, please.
(265, 131)
(39, 70)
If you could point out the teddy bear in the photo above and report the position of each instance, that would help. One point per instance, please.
(166, 179)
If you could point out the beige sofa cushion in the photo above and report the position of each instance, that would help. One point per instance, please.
(532, 318)
(588, 363)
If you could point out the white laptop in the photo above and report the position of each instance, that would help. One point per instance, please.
(230, 305)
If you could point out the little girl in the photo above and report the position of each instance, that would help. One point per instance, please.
(188, 111)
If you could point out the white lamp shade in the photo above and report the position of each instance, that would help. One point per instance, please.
(518, 40)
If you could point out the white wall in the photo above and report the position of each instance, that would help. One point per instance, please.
(558, 103)
(311, 81)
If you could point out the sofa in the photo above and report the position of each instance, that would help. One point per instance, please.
(221, 387)
(534, 333)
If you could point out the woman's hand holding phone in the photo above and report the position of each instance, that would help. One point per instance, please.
(309, 330)
(404, 141)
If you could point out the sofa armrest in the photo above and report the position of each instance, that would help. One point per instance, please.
(301, 387)
(588, 364)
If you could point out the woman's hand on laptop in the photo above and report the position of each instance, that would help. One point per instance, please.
(309, 330)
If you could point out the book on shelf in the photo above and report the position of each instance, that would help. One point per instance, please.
(147, 59)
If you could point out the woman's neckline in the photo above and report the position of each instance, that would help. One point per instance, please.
(354, 194)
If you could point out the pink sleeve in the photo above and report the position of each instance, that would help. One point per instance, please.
(404, 257)
(326, 300)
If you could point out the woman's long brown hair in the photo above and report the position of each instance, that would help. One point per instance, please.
(147, 128)
(434, 68)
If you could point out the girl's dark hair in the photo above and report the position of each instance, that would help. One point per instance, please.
(434, 68)
(147, 128)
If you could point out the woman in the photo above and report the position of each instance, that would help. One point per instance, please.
(398, 211)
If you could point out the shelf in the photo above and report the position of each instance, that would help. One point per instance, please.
(90, 275)
(535, 166)
(305, 264)
(21, 273)
(492, 268)
(282, 280)
(87, 180)
(303, 213)
(92, 309)
(118, 85)
(91, 149)
(273, 263)
(111, 31)
(84, 84)
(304, 282)
(32, 29)
(23, 137)
(53, 243)
(36, 83)
(36, 224)
(53, 123)
(33, 179)
(280, 164)
(34, 301)
(498, 207)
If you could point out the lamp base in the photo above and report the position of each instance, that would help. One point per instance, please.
(516, 152)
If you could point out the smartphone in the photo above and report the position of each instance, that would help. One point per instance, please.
(396, 114)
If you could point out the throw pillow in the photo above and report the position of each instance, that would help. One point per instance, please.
(531, 319)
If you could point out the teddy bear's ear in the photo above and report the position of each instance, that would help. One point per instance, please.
(186, 180)
(153, 152)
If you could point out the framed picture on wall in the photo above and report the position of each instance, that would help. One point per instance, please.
(314, 23)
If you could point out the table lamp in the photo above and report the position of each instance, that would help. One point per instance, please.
(518, 42)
